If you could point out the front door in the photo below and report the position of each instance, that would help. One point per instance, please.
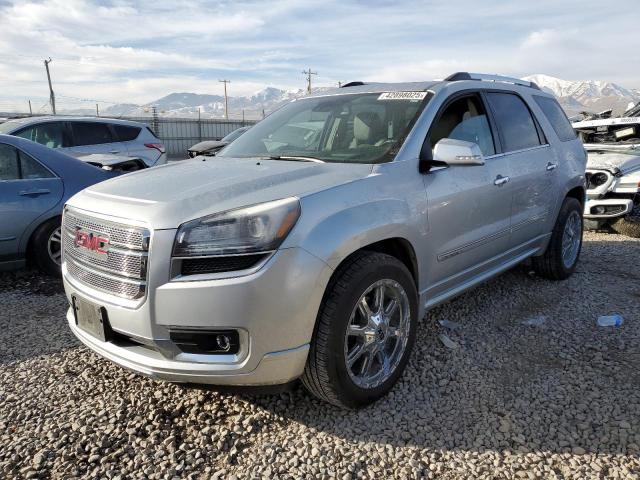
(27, 190)
(469, 206)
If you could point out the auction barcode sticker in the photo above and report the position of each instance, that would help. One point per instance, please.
(402, 96)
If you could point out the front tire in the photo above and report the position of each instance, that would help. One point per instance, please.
(47, 247)
(365, 331)
(560, 259)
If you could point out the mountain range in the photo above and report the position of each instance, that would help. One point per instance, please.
(574, 96)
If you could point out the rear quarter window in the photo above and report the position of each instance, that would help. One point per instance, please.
(557, 118)
(514, 120)
(126, 133)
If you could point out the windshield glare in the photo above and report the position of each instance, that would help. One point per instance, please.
(350, 128)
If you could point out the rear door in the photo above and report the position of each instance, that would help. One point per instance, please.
(469, 206)
(95, 137)
(532, 162)
(27, 190)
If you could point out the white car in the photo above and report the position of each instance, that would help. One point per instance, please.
(613, 174)
(91, 135)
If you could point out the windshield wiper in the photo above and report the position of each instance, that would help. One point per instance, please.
(295, 158)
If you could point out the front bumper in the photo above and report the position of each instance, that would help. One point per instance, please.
(273, 309)
(611, 208)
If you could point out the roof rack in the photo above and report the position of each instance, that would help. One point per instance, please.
(490, 78)
(352, 84)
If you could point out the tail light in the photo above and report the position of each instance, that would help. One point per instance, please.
(157, 146)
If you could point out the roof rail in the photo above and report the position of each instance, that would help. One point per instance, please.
(490, 78)
(352, 84)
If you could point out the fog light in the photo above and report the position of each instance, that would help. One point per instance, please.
(224, 342)
(599, 210)
(208, 342)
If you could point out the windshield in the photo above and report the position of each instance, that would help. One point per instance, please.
(233, 135)
(349, 128)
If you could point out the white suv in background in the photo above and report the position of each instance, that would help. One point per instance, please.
(87, 135)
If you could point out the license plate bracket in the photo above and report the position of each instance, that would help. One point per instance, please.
(91, 318)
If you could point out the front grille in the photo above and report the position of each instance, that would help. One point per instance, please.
(193, 266)
(122, 270)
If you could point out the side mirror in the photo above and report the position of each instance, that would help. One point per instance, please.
(457, 152)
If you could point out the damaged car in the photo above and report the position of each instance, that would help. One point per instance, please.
(612, 174)
(211, 147)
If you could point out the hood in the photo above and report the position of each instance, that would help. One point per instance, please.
(207, 145)
(613, 162)
(167, 196)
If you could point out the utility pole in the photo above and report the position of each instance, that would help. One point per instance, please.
(52, 97)
(30, 111)
(339, 84)
(97, 111)
(226, 99)
(308, 73)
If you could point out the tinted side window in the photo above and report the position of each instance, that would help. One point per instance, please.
(50, 134)
(557, 118)
(91, 133)
(464, 119)
(8, 163)
(125, 133)
(514, 121)
(31, 168)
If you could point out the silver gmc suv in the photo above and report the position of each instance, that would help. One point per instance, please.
(312, 245)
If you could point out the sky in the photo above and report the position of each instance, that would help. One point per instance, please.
(135, 52)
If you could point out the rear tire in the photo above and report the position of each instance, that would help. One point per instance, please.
(364, 333)
(46, 247)
(561, 256)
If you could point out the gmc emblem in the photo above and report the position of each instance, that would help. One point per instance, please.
(92, 242)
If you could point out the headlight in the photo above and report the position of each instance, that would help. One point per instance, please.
(257, 228)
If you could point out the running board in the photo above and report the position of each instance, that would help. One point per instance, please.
(443, 297)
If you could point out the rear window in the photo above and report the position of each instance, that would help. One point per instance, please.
(91, 133)
(126, 133)
(557, 118)
(514, 121)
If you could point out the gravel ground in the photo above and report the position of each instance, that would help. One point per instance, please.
(558, 398)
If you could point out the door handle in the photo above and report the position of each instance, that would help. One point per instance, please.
(114, 151)
(500, 180)
(551, 166)
(34, 193)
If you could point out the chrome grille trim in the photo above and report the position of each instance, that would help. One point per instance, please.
(122, 270)
(107, 283)
(125, 236)
(119, 262)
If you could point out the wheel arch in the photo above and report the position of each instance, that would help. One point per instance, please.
(28, 249)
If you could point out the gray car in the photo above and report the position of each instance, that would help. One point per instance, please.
(91, 135)
(315, 255)
(211, 147)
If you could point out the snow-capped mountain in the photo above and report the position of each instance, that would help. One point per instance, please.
(212, 106)
(587, 95)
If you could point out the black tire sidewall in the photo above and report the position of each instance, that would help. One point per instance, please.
(391, 269)
(40, 247)
(569, 205)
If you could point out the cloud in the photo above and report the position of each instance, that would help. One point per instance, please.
(137, 51)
